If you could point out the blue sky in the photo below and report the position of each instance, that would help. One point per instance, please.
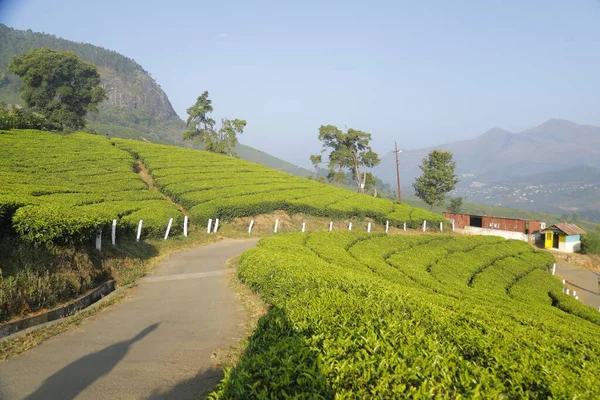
(422, 73)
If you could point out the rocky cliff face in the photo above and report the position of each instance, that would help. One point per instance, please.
(142, 93)
(135, 100)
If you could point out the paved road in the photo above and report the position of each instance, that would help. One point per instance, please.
(157, 345)
(584, 281)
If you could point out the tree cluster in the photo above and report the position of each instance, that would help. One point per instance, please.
(21, 118)
(58, 85)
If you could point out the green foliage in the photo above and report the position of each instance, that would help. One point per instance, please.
(35, 277)
(211, 186)
(590, 242)
(65, 188)
(21, 118)
(359, 315)
(315, 160)
(58, 85)
(456, 204)
(438, 178)
(221, 141)
(350, 150)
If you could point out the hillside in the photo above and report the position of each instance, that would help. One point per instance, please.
(373, 316)
(499, 155)
(63, 188)
(137, 107)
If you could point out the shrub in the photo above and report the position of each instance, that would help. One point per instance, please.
(355, 316)
(590, 243)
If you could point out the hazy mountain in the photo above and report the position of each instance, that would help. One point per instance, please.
(137, 107)
(499, 155)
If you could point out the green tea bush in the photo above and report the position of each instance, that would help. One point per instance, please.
(66, 188)
(354, 317)
(213, 186)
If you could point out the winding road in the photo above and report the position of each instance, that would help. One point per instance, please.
(157, 344)
(584, 281)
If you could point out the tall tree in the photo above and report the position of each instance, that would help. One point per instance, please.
(199, 121)
(202, 126)
(58, 85)
(226, 138)
(350, 150)
(438, 178)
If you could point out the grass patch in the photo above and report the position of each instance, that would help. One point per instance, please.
(12, 347)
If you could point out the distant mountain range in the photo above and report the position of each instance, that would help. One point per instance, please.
(552, 168)
(137, 107)
(499, 155)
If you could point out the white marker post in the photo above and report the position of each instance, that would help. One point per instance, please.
(303, 227)
(276, 225)
(574, 293)
(113, 233)
(369, 227)
(330, 225)
(216, 225)
(441, 227)
(185, 226)
(168, 228)
(350, 226)
(424, 225)
(387, 226)
(568, 291)
(554, 269)
(405, 227)
(209, 226)
(139, 231)
(250, 227)
(99, 240)
(453, 227)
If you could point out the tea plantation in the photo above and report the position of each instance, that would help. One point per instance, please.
(212, 185)
(58, 188)
(358, 315)
(64, 187)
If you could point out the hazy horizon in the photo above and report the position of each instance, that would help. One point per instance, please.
(421, 74)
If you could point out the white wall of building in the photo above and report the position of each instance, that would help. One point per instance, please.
(496, 232)
(569, 247)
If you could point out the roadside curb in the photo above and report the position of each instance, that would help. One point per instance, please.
(19, 327)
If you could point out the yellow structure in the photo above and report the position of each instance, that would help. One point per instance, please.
(564, 237)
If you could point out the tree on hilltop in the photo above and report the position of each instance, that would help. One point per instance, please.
(438, 178)
(58, 85)
(349, 150)
(202, 126)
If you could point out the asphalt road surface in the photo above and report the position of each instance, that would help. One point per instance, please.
(156, 345)
(584, 281)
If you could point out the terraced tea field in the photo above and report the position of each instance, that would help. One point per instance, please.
(212, 185)
(360, 315)
(57, 188)
(62, 187)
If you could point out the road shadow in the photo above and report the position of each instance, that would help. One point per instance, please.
(77, 376)
(194, 388)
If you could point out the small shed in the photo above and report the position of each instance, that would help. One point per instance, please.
(564, 237)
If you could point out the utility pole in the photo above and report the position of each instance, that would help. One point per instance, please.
(398, 170)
